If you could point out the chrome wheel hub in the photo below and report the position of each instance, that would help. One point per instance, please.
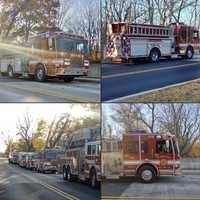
(147, 175)
(189, 53)
(154, 56)
(40, 74)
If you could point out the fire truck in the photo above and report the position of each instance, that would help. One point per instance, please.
(47, 160)
(128, 41)
(83, 157)
(147, 156)
(48, 54)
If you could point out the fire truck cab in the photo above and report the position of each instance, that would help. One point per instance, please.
(48, 54)
(127, 41)
(83, 158)
(148, 156)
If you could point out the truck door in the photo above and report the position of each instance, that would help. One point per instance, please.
(147, 151)
(131, 149)
(164, 153)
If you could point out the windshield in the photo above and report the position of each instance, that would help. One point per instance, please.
(50, 155)
(35, 156)
(164, 146)
(69, 45)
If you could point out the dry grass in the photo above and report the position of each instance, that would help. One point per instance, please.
(189, 93)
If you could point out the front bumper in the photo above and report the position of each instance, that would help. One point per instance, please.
(50, 168)
(72, 72)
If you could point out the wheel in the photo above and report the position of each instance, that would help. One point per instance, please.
(64, 173)
(38, 169)
(10, 72)
(189, 53)
(147, 174)
(93, 179)
(68, 79)
(154, 56)
(40, 73)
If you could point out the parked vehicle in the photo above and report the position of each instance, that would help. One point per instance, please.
(48, 160)
(83, 157)
(13, 157)
(48, 54)
(31, 160)
(127, 41)
(22, 159)
(148, 156)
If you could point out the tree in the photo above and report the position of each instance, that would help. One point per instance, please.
(26, 132)
(57, 129)
(195, 151)
(147, 114)
(88, 24)
(127, 116)
(25, 17)
(184, 121)
(8, 141)
(63, 16)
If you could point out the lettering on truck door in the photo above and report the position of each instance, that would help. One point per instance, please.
(164, 153)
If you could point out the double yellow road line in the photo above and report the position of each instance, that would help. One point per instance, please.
(149, 70)
(52, 188)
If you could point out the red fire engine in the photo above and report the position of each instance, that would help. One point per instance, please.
(128, 41)
(148, 156)
(83, 158)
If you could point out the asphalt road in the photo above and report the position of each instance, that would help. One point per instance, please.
(20, 184)
(166, 187)
(25, 90)
(122, 80)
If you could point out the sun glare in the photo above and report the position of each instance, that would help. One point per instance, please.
(78, 111)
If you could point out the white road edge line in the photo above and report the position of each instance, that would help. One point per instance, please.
(150, 91)
(148, 70)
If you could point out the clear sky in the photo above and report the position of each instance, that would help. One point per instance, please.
(11, 113)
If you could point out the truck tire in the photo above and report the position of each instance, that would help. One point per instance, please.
(10, 72)
(93, 179)
(67, 174)
(64, 173)
(189, 53)
(40, 73)
(147, 174)
(154, 55)
(68, 79)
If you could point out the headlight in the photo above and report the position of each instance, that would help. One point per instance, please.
(86, 63)
(67, 62)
